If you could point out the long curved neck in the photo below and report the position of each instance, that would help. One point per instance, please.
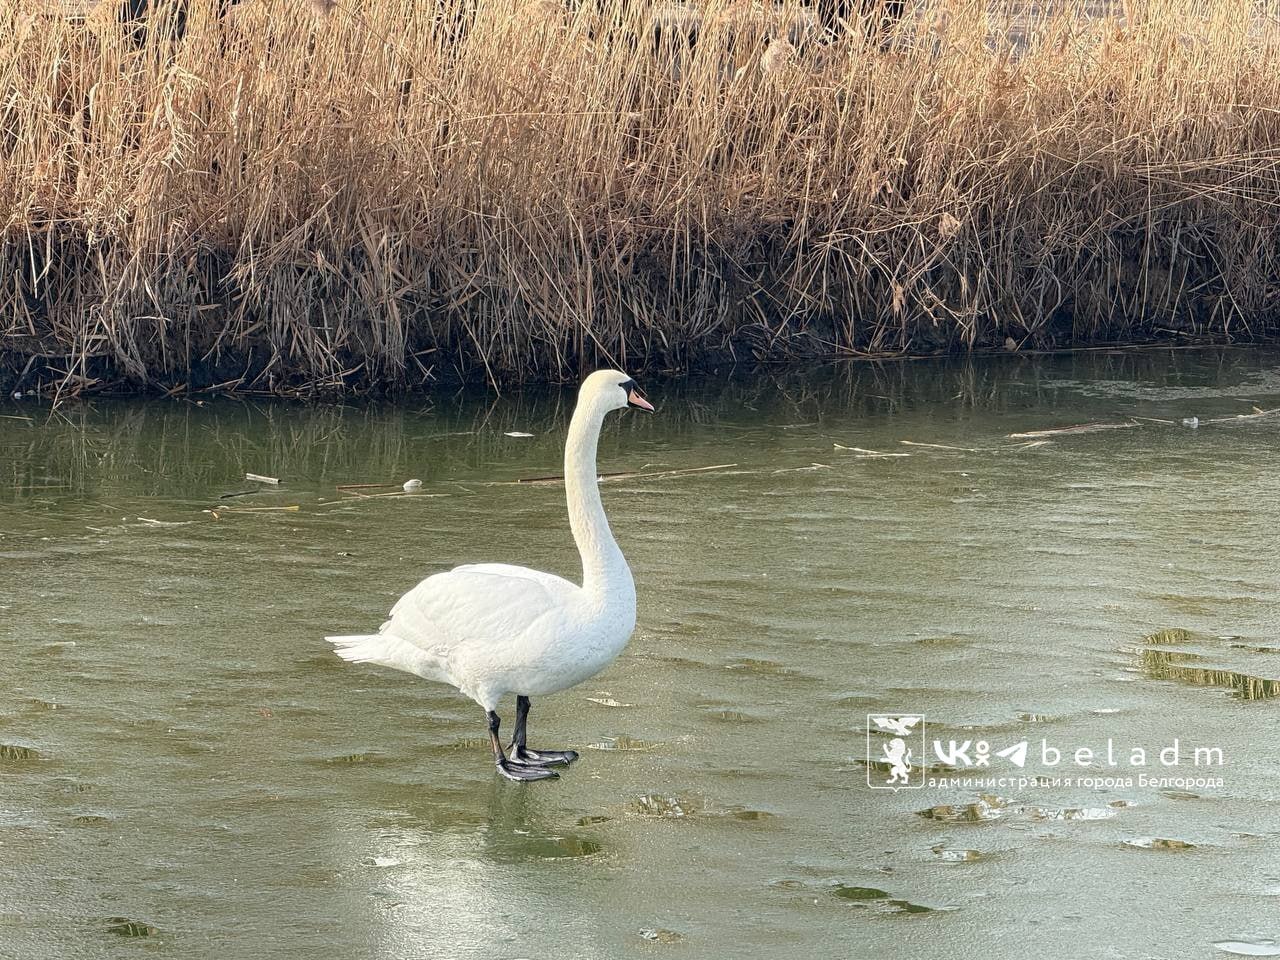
(603, 566)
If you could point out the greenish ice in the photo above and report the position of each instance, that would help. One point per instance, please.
(187, 771)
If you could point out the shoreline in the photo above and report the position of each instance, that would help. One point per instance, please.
(57, 389)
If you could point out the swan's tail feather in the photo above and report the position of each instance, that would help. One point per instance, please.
(357, 648)
(388, 650)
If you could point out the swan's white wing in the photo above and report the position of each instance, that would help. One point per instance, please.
(557, 585)
(478, 605)
(463, 626)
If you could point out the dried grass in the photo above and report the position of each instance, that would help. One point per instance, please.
(329, 195)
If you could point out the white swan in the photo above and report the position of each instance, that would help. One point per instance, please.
(490, 629)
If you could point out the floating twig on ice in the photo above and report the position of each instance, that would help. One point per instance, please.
(938, 446)
(292, 508)
(869, 454)
(613, 477)
(1078, 428)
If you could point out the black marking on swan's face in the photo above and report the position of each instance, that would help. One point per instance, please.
(635, 398)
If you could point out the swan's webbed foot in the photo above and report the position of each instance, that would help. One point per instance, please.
(521, 771)
(543, 758)
(514, 769)
(537, 758)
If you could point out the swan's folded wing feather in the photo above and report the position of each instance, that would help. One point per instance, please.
(483, 603)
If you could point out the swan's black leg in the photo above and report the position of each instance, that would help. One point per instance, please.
(542, 758)
(513, 769)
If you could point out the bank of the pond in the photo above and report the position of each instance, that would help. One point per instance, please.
(293, 201)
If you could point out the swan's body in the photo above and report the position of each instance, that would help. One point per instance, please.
(490, 629)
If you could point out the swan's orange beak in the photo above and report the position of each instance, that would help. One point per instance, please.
(640, 403)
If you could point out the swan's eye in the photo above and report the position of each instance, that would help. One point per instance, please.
(628, 385)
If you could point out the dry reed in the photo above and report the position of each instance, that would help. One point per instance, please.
(309, 195)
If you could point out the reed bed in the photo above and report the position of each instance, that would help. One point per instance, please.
(291, 196)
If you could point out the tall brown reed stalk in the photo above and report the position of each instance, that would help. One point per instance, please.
(334, 195)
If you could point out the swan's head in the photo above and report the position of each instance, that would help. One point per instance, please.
(612, 390)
